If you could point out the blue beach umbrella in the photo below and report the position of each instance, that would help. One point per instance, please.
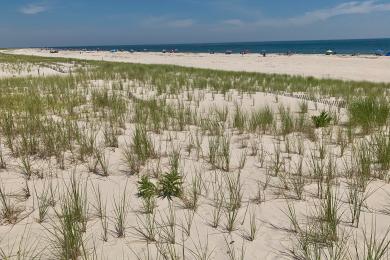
(388, 54)
(379, 52)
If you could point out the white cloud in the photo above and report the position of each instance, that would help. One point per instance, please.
(34, 8)
(347, 8)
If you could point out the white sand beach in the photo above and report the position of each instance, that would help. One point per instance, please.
(345, 67)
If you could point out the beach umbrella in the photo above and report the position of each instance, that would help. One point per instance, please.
(379, 52)
(329, 52)
(388, 54)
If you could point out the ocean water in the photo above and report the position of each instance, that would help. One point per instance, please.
(361, 46)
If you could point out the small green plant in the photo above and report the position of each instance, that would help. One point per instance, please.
(110, 138)
(258, 198)
(66, 236)
(225, 153)
(356, 200)
(26, 165)
(170, 185)
(287, 122)
(329, 217)
(77, 201)
(213, 151)
(322, 120)
(146, 188)
(8, 211)
(298, 182)
(251, 235)
(303, 107)
(43, 202)
(139, 151)
(191, 197)
(142, 144)
(131, 160)
(217, 203)
(239, 119)
(276, 160)
(121, 210)
(102, 160)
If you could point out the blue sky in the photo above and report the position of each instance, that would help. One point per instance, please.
(26, 23)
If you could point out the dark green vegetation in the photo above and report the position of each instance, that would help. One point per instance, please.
(322, 120)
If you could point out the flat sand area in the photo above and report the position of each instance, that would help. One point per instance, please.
(357, 68)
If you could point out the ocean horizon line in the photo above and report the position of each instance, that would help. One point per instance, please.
(207, 43)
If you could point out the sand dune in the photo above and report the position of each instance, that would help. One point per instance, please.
(260, 173)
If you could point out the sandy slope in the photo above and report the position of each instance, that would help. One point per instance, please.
(8, 70)
(363, 68)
